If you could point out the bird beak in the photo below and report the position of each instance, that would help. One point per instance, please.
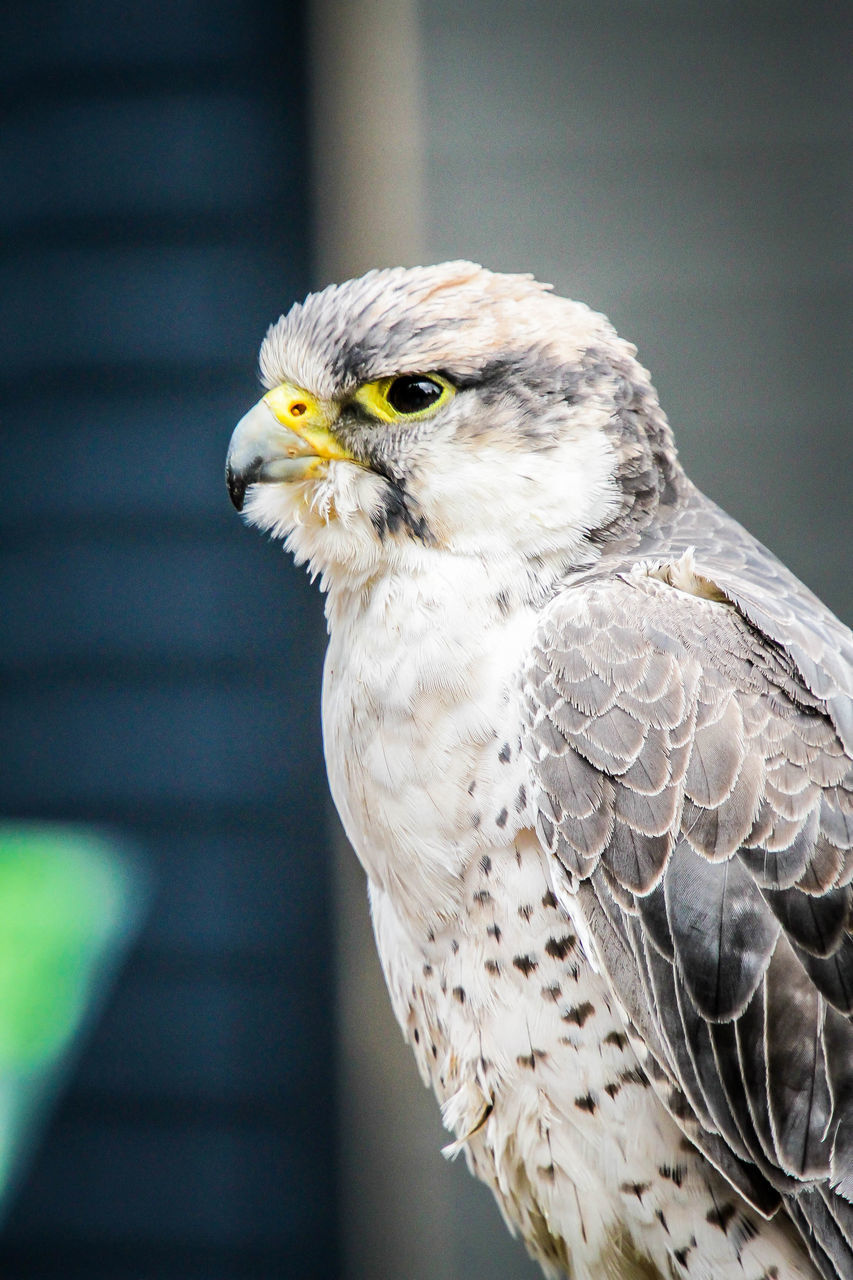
(285, 437)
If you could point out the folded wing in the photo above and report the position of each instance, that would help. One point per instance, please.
(696, 794)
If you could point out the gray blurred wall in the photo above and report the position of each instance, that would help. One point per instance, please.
(686, 168)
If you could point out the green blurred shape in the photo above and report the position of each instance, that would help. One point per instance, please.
(69, 903)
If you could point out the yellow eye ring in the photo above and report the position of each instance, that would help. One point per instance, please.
(405, 396)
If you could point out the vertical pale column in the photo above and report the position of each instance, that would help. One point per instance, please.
(366, 135)
(368, 180)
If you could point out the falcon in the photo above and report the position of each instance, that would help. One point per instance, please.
(592, 745)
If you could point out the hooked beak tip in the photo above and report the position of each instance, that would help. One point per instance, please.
(238, 482)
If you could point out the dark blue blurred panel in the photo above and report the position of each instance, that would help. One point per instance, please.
(138, 450)
(125, 742)
(227, 1181)
(154, 654)
(171, 151)
(47, 36)
(171, 594)
(199, 1041)
(114, 305)
(232, 891)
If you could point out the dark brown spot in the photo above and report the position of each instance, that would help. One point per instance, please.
(491, 966)
(721, 1215)
(472, 786)
(417, 1036)
(505, 753)
(559, 948)
(617, 1038)
(634, 1075)
(662, 1220)
(680, 1255)
(579, 1013)
(527, 1060)
(525, 912)
(459, 993)
(637, 1189)
(482, 896)
(500, 820)
(485, 864)
(454, 945)
(427, 970)
(547, 1171)
(680, 1108)
(495, 931)
(434, 1051)
(525, 964)
(586, 1103)
(612, 1089)
(747, 1229)
(549, 900)
(553, 992)
(675, 1173)
(521, 798)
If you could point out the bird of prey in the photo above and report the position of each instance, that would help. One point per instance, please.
(592, 745)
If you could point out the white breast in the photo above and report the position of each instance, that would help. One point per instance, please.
(546, 1094)
(518, 1033)
(420, 726)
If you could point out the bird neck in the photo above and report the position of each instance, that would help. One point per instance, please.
(419, 683)
(450, 588)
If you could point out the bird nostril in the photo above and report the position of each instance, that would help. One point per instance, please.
(298, 408)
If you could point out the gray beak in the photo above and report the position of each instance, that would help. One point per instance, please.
(264, 451)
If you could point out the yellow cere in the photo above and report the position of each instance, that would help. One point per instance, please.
(308, 418)
(287, 403)
(373, 396)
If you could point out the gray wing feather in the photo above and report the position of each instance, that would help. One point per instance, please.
(817, 924)
(696, 792)
(832, 974)
(722, 931)
(797, 1085)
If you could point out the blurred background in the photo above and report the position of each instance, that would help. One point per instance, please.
(222, 1092)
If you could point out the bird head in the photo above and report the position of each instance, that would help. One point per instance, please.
(448, 409)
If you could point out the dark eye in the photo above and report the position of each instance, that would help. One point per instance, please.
(412, 393)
